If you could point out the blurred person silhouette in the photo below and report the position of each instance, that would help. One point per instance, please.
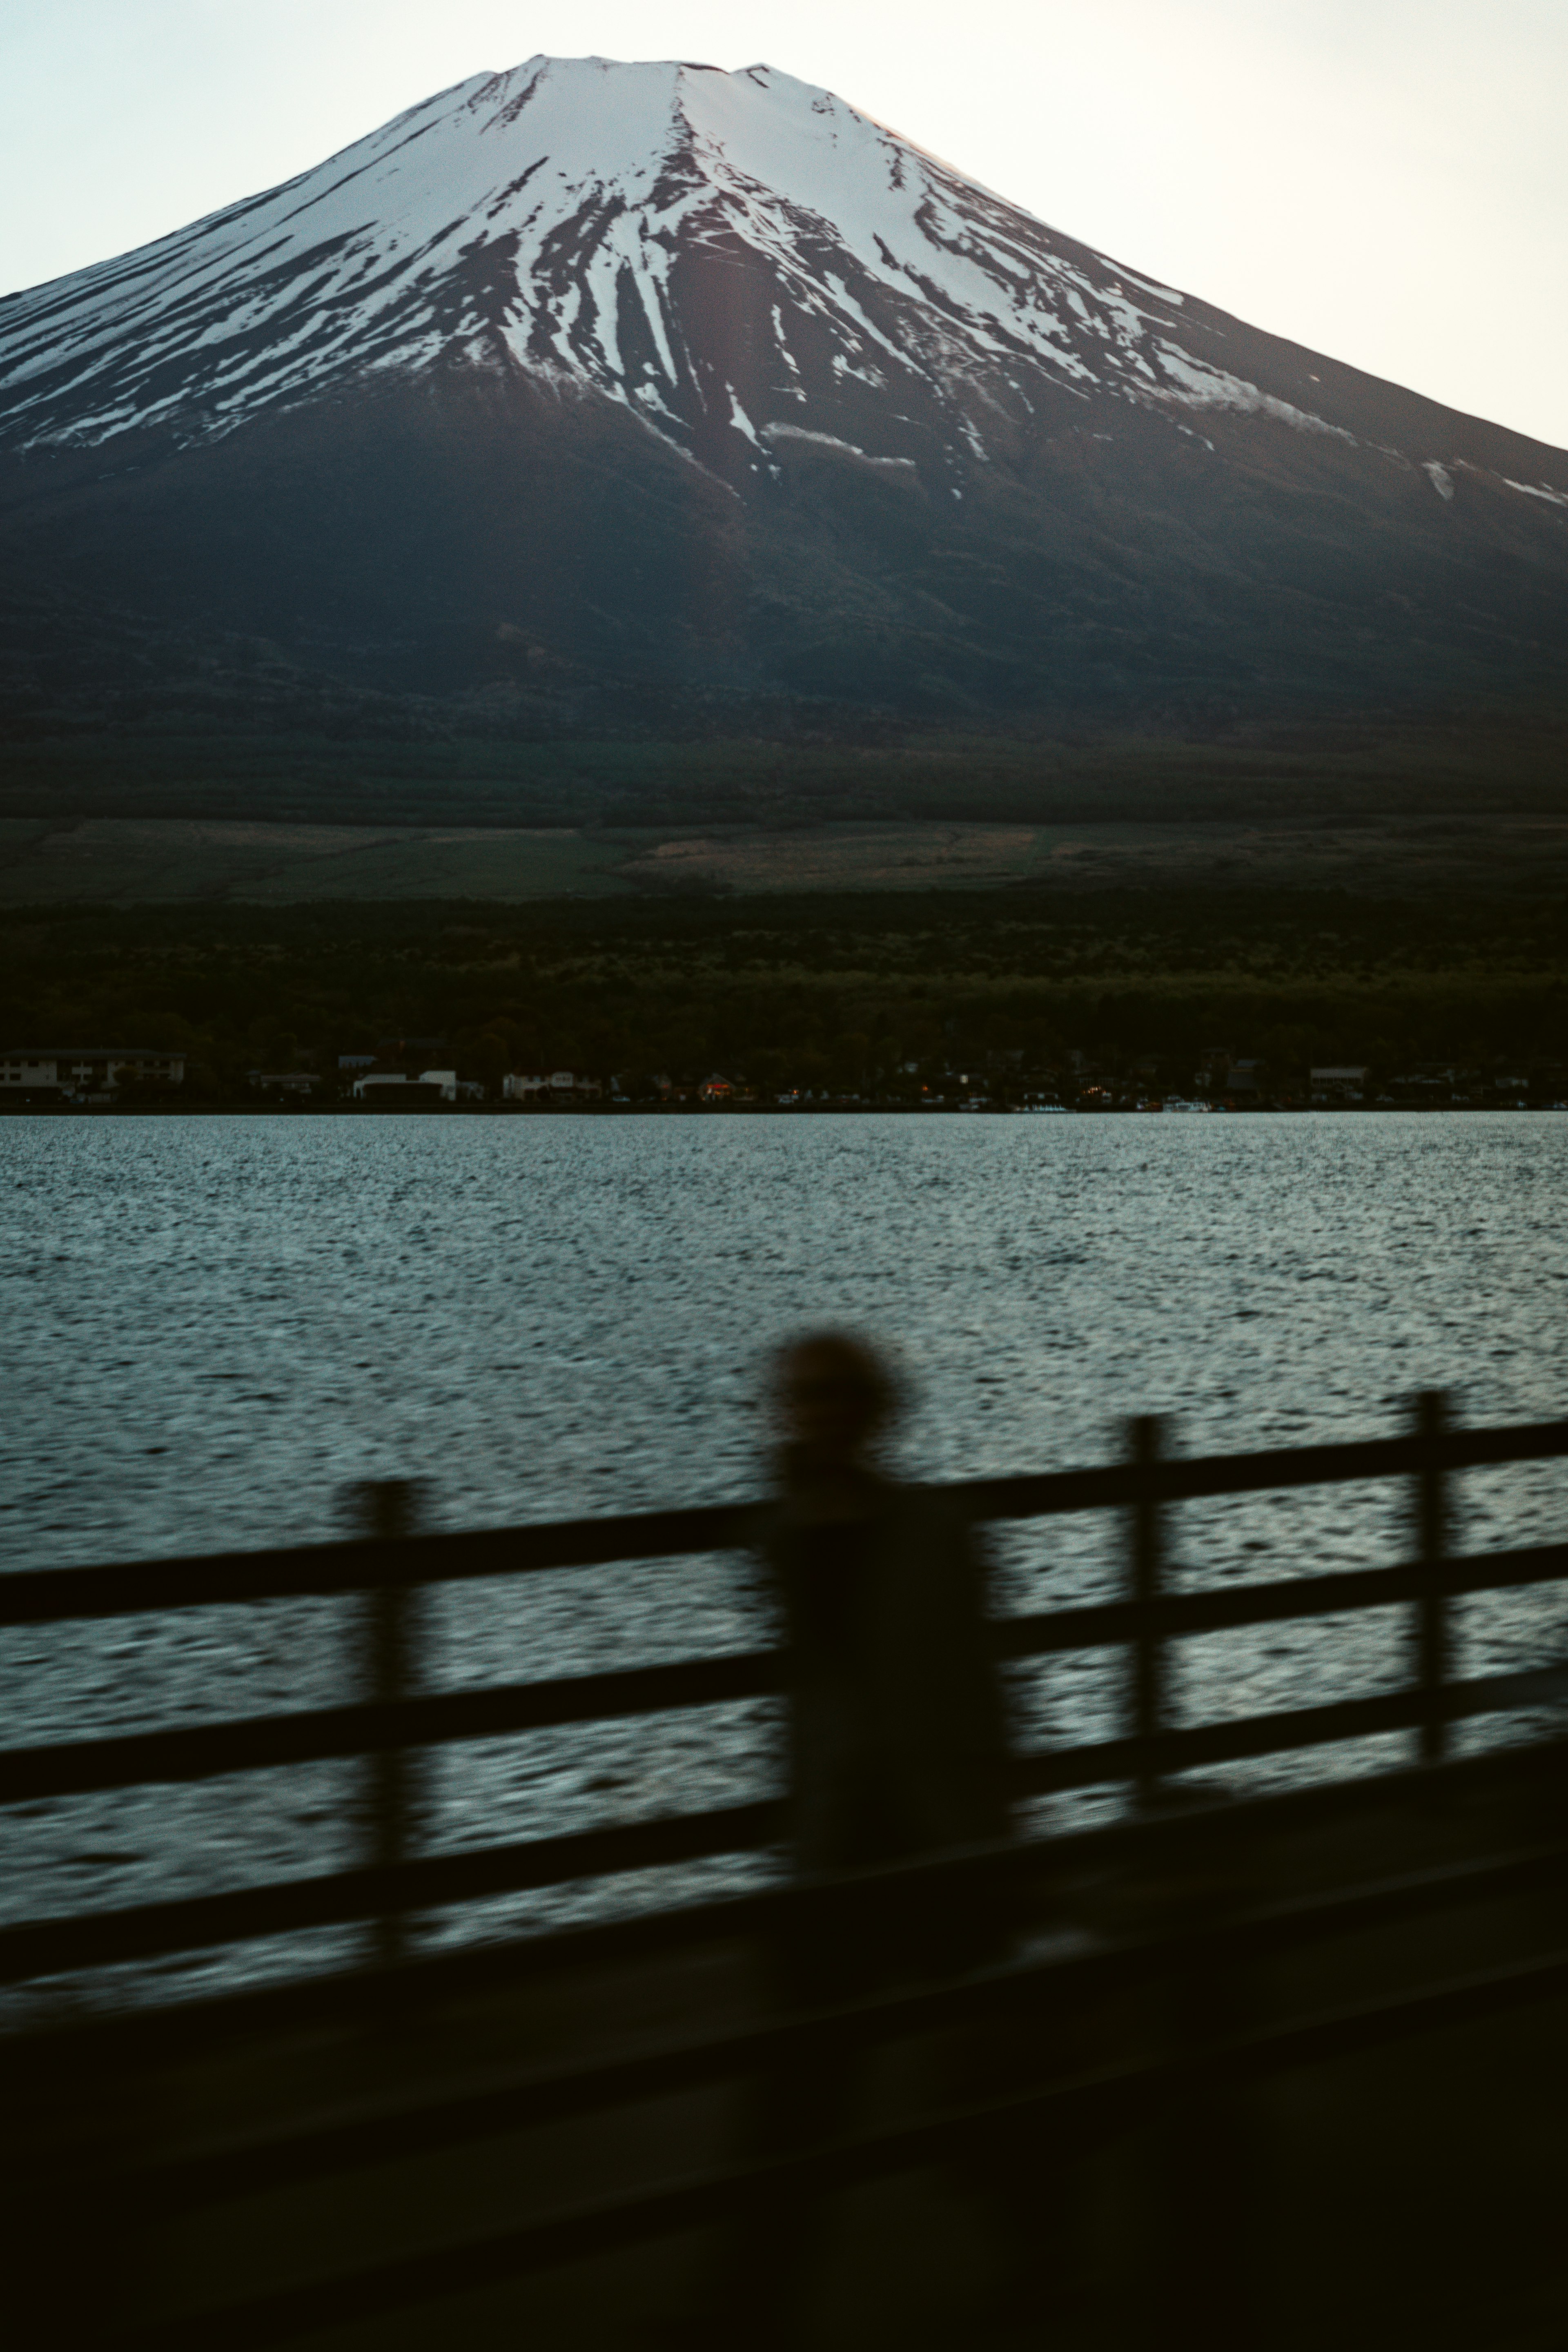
(897, 1745)
(896, 1750)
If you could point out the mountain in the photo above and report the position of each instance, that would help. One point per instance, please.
(593, 395)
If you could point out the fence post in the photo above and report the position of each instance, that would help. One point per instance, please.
(1145, 1439)
(387, 1511)
(1431, 1427)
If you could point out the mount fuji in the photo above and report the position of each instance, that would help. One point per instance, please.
(595, 393)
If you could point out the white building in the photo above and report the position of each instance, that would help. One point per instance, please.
(557, 1086)
(1339, 1081)
(371, 1084)
(86, 1069)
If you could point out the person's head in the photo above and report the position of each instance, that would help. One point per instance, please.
(834, 1394)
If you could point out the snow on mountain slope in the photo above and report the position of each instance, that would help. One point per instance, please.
(571, 217)
(592, 379)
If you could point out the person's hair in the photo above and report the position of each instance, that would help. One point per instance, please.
(856, 1361)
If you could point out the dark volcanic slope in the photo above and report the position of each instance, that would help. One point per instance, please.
(586, 377)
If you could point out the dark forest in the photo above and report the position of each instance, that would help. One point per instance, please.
(871, 997)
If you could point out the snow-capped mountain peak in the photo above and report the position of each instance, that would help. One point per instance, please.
(609, 225)
(675, 381)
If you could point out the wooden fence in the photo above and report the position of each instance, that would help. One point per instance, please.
(392, 1720)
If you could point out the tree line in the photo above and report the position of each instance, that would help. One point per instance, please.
(865, 995)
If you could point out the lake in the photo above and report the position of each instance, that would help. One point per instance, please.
(215, 1325)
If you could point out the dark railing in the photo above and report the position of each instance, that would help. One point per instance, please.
(389, 1564)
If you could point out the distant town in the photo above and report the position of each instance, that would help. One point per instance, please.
(1119, 1003)
(406, 1073)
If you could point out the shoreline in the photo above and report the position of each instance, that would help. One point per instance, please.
(297, 1110)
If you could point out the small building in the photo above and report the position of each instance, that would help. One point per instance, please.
(715, 1090)
(81, 1071)
(550, 1086)
(282, 1082)
(389, 1089)
(1339, 1081)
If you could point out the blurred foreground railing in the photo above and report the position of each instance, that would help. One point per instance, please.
(390, 1720)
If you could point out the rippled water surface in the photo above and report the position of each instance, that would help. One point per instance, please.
(214, 1325)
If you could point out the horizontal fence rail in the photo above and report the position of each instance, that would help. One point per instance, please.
(630, 1937)
(106, 1939)
(391, 1721)
(211, 1749)
(46, 1596)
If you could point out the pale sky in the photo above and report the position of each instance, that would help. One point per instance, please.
(1386, 181)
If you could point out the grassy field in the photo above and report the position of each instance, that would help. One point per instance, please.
(132, 861)
(1383, 765)
(129, 861)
